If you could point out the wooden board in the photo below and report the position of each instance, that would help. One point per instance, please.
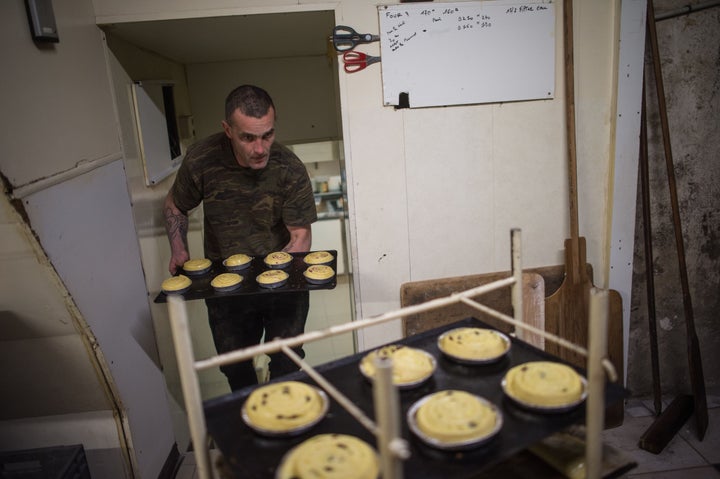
(537, 283)
(566, 315)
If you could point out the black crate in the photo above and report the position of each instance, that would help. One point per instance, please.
(60, 462)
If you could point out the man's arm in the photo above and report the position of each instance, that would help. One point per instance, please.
(176, 225)
(300, 239)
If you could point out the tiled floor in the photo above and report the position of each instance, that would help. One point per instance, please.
(684, 457)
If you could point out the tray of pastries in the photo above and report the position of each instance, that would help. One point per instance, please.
(460, 417)
(242, 274)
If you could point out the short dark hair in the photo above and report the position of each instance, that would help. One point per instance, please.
(251, 100)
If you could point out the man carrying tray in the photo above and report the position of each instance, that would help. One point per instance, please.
(257, 199)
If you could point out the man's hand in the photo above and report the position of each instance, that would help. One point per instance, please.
(300, 239)
(177, 261)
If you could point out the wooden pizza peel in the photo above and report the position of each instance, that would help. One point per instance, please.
(566, 310)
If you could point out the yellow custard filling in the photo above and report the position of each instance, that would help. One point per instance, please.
(197, 264)
(272, 276)
(278, 258)
(176, 283)
(409, 364)
(473, 343)
(318, 257)
(330, 456)
(544, 383)
(319, 272)
(226, 280)
(455, 416)
(283, 406)
(237, 260)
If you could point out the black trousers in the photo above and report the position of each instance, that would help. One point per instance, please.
(240, 321)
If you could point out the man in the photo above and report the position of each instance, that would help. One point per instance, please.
(257, 198)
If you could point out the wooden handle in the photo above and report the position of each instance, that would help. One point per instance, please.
(570, 116)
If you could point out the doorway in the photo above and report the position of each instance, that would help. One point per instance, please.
(204, 58)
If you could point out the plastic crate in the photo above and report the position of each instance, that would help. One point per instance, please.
(60, 462)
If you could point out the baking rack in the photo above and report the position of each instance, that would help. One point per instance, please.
(393, 449)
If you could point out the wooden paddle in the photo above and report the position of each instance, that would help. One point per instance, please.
(566, 310)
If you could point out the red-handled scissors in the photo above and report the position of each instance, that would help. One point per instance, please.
(356, 61)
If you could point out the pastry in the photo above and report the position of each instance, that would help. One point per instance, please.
(272, 278)
(544, 384)
(176, 284)
(237, 261)
(284, 407)
(473, 344)
(410, 366)
(279, 259)
(330, 456)
(226, 281)
(318, 273)
(318, 257)
(454, 416)
(197, 266)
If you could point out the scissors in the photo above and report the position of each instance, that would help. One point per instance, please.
(356, 61)
(345, 38)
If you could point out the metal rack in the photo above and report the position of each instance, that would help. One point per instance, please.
(393, 448)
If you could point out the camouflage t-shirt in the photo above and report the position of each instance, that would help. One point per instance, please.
(246, 210)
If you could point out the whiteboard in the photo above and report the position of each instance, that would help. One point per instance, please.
(437, 54)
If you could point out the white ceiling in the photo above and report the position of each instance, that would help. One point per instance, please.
(240, 37)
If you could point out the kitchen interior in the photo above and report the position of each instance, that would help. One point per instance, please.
(325, 164)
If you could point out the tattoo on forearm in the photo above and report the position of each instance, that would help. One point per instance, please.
(176, 225)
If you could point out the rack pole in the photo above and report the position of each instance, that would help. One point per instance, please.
(190, 385)
(595, 412)
(517, 286)
(387, 413)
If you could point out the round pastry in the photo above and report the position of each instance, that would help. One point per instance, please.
(544, 384)
(177, 284)
(474, 344)
(453, 418)
(411, 366)
(318, 257)
(318, 273)
(273, 278)
(197, 266)
(237, 262)
(285, 407)
(226, 282)
(330, 456)
(278, 259)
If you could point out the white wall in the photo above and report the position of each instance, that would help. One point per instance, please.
(453, 181)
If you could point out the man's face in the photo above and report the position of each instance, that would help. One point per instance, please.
(251, 138)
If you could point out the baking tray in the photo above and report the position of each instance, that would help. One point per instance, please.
(201, 289)
(249, 455)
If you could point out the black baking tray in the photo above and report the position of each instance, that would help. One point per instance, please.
(201, 289)
(250, 455)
